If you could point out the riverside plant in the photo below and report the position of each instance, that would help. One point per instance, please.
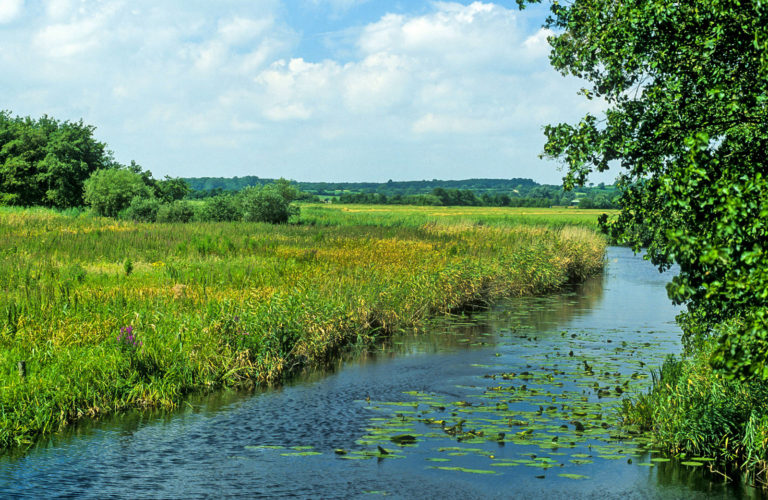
(128, 342)
(695, 411)
(302, 294)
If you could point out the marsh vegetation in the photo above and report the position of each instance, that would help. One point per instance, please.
(108, 315)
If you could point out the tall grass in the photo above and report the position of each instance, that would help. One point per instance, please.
(228, 304)
(412, 216)
(693, 410)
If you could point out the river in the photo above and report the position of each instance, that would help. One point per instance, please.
(515, 402)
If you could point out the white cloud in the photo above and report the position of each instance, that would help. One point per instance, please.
(10, 10)
(462, 90)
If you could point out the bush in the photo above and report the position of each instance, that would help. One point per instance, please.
(142, 210)
(266, 204)
(178, 211)
(222, 208)
(110, 191)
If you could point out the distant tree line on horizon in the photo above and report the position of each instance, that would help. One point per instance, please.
(469, 192)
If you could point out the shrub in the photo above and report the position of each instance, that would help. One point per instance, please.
(222, 208)
(110, 191)
(266, 204)
(178, 211)
(142, 210)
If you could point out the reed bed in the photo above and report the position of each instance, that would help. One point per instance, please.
(99, 316)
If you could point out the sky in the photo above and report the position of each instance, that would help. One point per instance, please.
(311, 90)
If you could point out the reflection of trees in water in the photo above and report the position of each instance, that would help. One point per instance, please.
(544, 313)
(523, 314)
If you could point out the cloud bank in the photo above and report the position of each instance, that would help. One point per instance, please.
(461, 90)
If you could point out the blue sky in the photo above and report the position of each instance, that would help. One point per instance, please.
(335, 90)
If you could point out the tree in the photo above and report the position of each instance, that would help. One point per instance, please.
(110, 191)
(222, 208)
(45, 162)
(686, 88)
(267, 204)
(176, 211)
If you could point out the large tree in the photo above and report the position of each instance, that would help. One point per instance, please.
(686, 123)
(46, 161)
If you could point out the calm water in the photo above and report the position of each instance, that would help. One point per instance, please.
(511, 403)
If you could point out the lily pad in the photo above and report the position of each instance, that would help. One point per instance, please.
(470, 471)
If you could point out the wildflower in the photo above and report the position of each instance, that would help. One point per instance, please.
(127, 340)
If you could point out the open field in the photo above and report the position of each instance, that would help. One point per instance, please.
(412, 216)
(109, 315)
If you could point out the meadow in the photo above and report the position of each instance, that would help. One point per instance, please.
(100, 315)
(322, 214)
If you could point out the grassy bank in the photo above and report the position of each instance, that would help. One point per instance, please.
(693, 411)
(413, 216)
(109, 315)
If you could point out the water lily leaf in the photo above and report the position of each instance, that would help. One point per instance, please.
(470, 471)
(573, 476)
(692, 464)
(402, 439)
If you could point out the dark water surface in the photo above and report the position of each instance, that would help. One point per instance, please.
(511, 403)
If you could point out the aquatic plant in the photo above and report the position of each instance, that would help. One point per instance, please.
(694, 411)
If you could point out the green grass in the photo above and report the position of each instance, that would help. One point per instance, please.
(234, 304)
(694, 412)
(413, 216)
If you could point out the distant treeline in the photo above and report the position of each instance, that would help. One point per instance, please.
(468, 192)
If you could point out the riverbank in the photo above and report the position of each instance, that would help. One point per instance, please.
(691, 410)
(102, 316)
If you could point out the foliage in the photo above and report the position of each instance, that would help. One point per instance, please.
(110, 191)
(686, 85)
(231, 304)
(171, 189)
(45, 162)
(271, 203)
(141, 210)
(222, 208)
(468, 192)
(177, 211)
(696, 411)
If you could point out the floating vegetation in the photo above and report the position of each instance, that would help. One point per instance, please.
(573, 476)
(558, 397)
(462, 469)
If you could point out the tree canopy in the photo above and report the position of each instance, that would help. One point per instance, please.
(46, 161)
(686, 121)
